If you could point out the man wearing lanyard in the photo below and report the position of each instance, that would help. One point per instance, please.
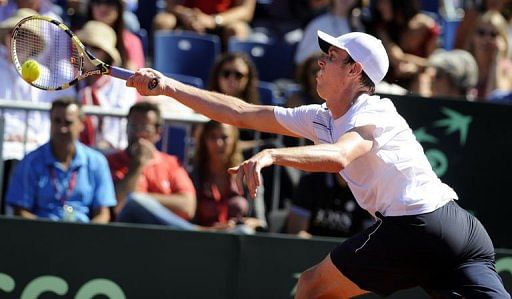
(63, 179)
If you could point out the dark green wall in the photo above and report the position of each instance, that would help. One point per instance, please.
(153, 262)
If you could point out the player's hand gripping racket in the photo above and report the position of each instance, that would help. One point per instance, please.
(59, 54)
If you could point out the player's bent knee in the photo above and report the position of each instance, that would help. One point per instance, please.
(308, 285)
(326, 281)
(307, 278)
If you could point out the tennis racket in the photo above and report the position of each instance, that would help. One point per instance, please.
(59, 52)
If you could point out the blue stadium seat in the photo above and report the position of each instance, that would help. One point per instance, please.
(430, 6)
(175, 141)
(185, 52)
(190, 80)
(273, 60)
(268, 93)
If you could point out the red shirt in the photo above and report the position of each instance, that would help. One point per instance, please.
(216, 204)
(163, 174)
(210, 7)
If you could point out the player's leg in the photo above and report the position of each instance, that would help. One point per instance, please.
(478, 279)
(371, 261)
(325, 281)
(475, 275)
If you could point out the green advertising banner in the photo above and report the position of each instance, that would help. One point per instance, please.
(43, 260)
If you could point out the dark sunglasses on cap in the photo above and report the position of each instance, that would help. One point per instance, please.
(228, 73)
(483, 32)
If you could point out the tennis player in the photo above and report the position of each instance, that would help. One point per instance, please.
(421, 237)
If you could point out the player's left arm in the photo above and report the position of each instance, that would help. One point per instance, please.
(313, 158)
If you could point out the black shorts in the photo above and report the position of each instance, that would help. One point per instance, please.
(445, 251)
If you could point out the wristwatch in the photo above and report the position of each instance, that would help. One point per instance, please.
(218, 20)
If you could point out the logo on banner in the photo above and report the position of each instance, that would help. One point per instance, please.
(57, 285)
(454, 123)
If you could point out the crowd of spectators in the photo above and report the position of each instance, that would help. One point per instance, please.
(154, 187)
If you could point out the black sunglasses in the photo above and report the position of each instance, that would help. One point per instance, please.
(228, 73)
(483, 32)
(107, 2)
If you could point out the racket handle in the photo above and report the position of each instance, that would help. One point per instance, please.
(125, 74)
(120, 73)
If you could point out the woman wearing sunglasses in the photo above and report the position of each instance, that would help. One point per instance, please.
(473, 10)
(234, 74)
(489, 44)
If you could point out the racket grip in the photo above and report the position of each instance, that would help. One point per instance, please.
(120, 73)
(125, 74)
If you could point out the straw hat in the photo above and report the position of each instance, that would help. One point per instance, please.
(9, 23)
(102, 36)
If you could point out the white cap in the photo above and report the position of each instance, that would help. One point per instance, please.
(363, 48)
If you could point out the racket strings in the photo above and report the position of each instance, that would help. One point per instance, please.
(52, 48)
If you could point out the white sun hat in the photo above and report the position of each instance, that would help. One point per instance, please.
(363, 48)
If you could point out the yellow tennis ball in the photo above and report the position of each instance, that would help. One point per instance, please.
(30, 70)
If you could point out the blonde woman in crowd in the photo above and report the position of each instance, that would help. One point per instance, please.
(489, 45)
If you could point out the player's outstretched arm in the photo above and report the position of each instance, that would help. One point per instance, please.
(220, 107)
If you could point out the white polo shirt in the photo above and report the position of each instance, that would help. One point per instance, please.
(395, 177)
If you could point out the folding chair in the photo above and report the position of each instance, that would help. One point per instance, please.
(274, 60)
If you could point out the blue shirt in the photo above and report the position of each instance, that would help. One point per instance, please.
(41, 186)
